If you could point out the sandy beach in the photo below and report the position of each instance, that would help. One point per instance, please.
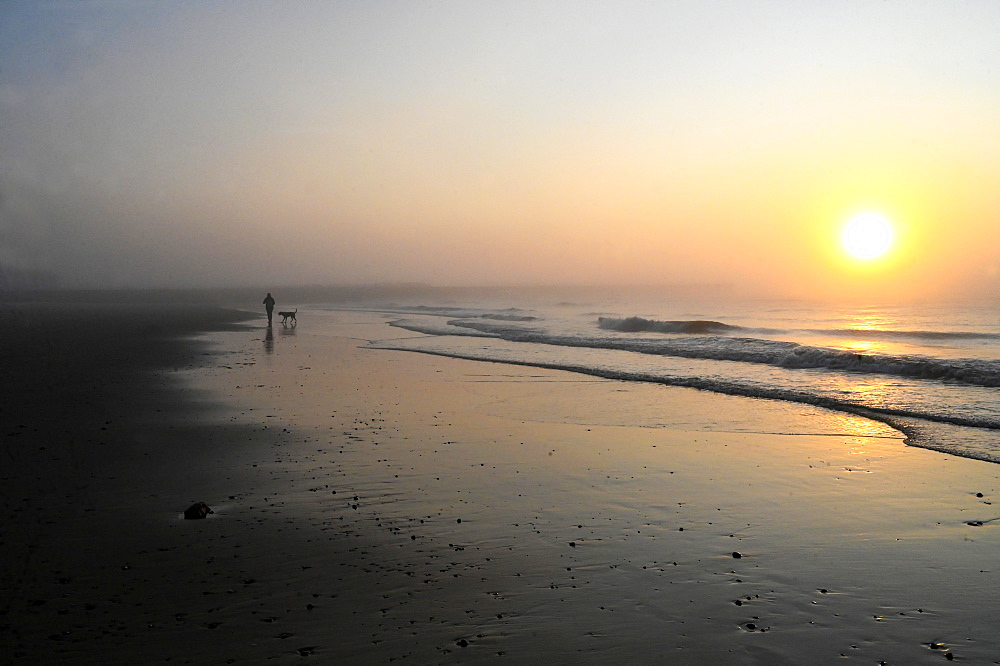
(375, 506)
(603, 332)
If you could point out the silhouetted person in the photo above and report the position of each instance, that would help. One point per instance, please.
(269, 304)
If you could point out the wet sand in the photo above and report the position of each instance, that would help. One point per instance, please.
(376, 506)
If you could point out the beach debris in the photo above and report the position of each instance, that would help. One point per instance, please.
(197, 510)
(572, 544)
(974, 523)
(306, 651)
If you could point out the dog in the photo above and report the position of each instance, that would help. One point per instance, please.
(285, 316)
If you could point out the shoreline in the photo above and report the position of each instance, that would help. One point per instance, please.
(377, 505)
(911, 432)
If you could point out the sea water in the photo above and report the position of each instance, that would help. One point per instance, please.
(930, 371)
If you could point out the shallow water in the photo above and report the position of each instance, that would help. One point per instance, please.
(931, 372)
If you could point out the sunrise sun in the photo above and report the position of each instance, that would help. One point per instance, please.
(867, 236)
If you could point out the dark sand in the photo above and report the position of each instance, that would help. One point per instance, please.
(101, 450)
(376, 506)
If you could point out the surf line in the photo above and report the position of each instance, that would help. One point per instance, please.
(891, 417)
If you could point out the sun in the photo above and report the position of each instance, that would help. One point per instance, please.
(867, 236)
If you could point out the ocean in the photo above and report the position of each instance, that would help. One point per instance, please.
(932, 372)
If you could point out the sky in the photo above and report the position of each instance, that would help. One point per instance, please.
(209, 143)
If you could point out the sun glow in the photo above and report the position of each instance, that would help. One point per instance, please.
(867, 236)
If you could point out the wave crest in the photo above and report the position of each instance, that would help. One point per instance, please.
(639, 325)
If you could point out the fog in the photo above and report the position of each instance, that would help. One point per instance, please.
(191, 144)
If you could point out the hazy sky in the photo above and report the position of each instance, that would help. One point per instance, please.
(472, 142)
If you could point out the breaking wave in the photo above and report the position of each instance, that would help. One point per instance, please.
(707, 327)
(638, 325)
(936, 398)
(508, 317)
(778, 353)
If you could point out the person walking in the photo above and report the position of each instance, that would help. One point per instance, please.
(269, 305)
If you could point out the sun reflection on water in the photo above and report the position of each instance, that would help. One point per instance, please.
(858, 427)
(868, 320)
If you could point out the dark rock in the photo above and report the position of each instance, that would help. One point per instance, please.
(737, 555)
(462, 643)
(197, 510)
